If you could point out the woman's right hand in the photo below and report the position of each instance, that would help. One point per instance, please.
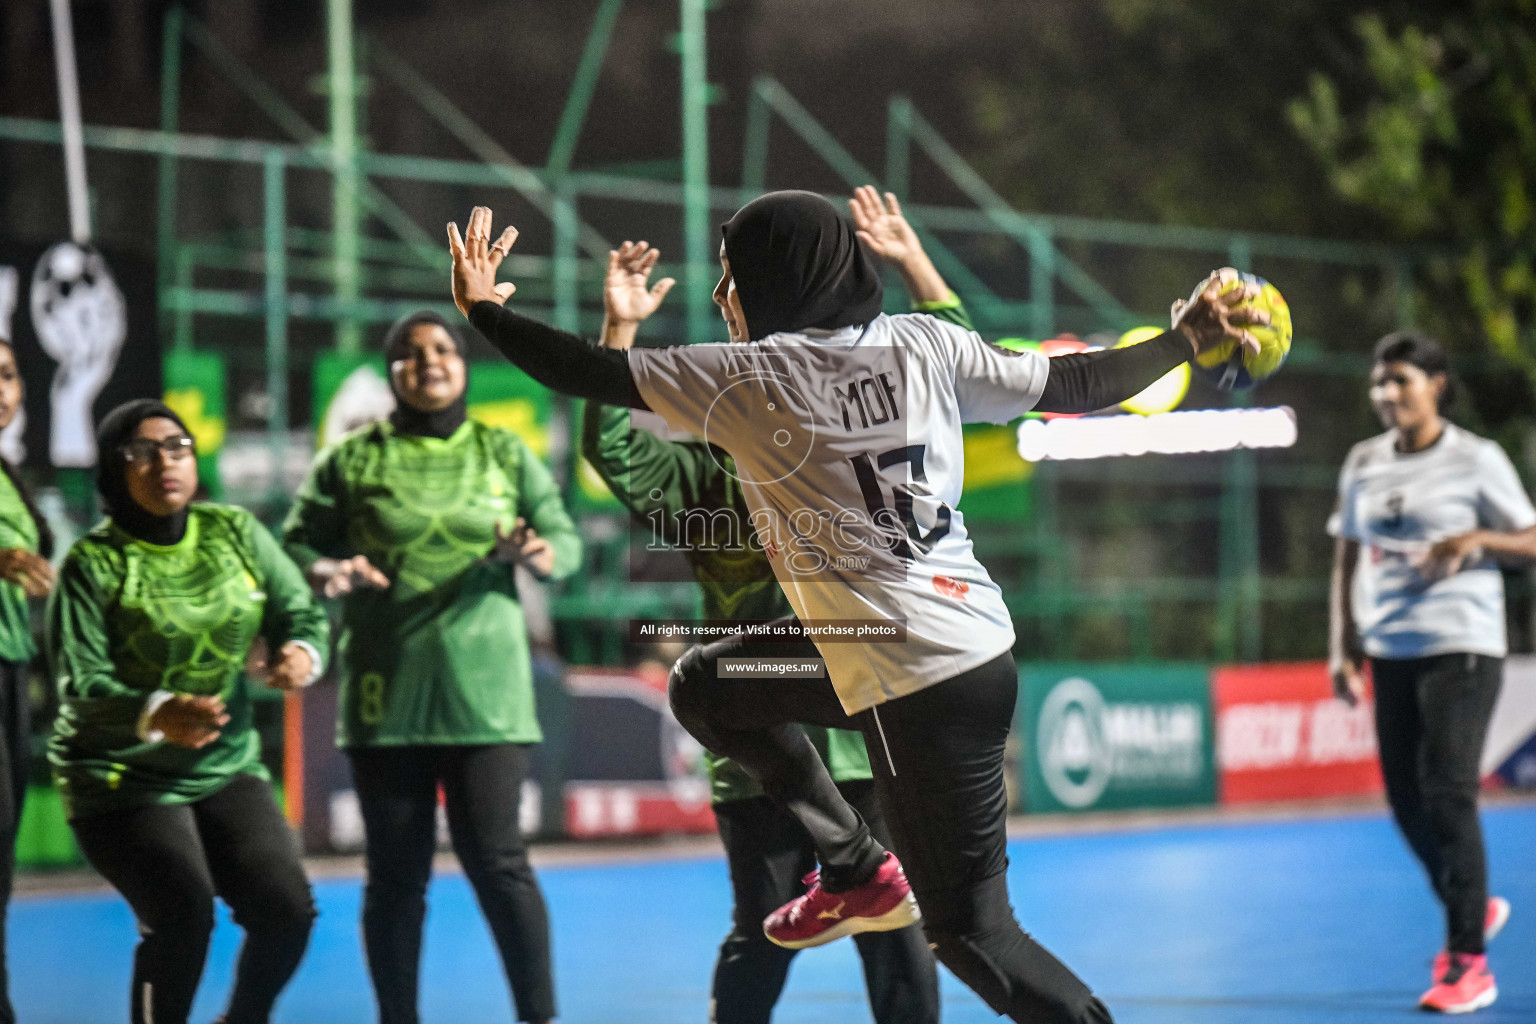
(189, 721)
(31, 572)
(1216, 312)
(333, 577)
(1348, 681)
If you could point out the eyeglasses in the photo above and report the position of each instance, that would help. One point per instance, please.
(143, 449)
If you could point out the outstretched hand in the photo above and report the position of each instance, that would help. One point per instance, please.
(31, 572)
(880, 225)
(628, 296)
(190, 721)
(523, 546)
(1215, 312)
(475, 259)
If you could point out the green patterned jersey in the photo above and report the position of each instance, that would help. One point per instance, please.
(17, 530)
(128, 618)
(441, 656)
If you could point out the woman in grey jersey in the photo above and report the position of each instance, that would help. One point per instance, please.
(1426, 514)
(844, 427)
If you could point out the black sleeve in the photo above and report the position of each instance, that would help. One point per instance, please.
(1089, 381)
(561, 362)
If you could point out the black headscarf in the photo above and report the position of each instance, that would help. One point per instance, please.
(407, 419)
(116, 430)
(798, 264)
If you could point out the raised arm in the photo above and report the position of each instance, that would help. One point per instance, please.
(995, 386)
(561, 362)
(880, 226)
(647, 474)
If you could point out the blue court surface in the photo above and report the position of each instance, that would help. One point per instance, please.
(1323, 920)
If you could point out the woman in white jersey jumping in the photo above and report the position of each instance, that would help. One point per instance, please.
(844, 425)
(1427, 511)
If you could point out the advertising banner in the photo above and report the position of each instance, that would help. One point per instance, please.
(1099, 737)
(1509, 755)
(1282, 735)
(632, 769)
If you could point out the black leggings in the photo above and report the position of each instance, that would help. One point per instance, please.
(1432, 717)
(170, 860)
(938, 761)
(397, 790)
(768, 853)
(15, 766)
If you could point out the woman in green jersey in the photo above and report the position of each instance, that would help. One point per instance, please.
(418, 524)
(25, 545)
(154, 749)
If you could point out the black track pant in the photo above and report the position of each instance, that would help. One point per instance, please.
(397, 790)
(769, 852)
(1432, 717)
(938, 761)
(15, 764)
(169, 861)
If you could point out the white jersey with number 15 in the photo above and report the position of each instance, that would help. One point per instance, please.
(848, 447)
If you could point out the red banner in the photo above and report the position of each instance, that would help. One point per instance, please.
(1282, 735)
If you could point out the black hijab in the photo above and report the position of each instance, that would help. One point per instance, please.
(407, 419)
(798, 264)
(116, 430)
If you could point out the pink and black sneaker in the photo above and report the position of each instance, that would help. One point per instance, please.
(882, 904)
(1466, 985)
(1493, 923)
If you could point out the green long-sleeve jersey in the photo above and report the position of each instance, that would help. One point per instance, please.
(688, 493)
(441, 656)
(128, 618)
(17, 530)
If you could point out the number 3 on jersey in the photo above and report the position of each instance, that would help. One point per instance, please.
(370, 698)
(897, 520)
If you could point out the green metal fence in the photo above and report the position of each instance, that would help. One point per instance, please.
(283, 272)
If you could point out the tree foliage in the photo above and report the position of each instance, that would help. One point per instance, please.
(1433, 128)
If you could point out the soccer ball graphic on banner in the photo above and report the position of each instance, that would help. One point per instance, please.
(1228, 365)
(81, 321)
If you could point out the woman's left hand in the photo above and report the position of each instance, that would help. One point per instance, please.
(293, 668)
(523, 546)
(1446, 557)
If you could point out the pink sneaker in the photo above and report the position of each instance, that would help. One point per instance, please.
(882, 904)
(1466, 985)
(1493, 923)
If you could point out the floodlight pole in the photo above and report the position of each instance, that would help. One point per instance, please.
(697, 240)
(1239, 622)
(342, 87)
(69, 119)
(170, 106)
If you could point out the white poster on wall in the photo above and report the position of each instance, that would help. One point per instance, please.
(81, 320)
